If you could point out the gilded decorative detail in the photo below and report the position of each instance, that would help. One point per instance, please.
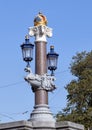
(40, 19)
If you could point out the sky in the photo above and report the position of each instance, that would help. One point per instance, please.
(71, 21)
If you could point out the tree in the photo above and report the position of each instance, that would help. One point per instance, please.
(79, 98)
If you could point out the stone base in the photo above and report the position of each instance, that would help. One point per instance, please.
(38, 125)
(41, 113)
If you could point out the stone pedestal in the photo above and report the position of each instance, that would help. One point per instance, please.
(41, 113)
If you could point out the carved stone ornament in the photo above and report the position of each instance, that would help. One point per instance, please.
(40, 32)
(40, 81)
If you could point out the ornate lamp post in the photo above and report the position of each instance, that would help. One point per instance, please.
(41, 82)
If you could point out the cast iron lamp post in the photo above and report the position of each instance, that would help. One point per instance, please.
(41, 82)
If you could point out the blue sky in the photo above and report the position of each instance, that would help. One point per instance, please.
(71, 21)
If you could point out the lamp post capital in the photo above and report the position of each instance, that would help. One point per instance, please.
(40, 32)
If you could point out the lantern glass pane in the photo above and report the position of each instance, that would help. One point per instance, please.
(52, 62)
(28, 54)
(52, 58)
(27, 51)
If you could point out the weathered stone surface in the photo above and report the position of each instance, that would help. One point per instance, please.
(41, 113)
(41, 125)
(18, 125)
(67, 125)
(45, 125)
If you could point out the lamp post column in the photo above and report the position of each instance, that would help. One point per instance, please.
(41, 95)
(40, 31)
(40, 82)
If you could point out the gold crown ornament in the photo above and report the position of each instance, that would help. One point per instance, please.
(40, 19)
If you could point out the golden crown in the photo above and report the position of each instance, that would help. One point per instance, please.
(40, 19)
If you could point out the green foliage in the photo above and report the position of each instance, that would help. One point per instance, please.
(79, 98)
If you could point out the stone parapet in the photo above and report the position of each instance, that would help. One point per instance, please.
(18, 125)
(41, 125)
(67, 125)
